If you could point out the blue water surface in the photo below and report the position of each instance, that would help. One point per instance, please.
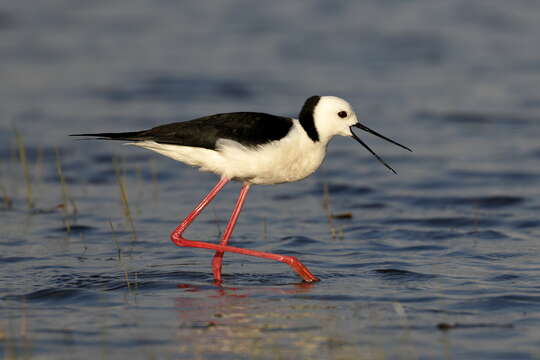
(439, 262)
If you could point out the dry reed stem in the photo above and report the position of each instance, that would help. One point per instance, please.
(140, 189)
(16, 339)
(153, 174)
(64, 191)
(26, 171)
(335, 232)
(8, 202)
(328, 211)
(38, 170)
(124, 198)
(123, 265)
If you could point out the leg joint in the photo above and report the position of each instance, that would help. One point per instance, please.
(177, 239)
(292, 260)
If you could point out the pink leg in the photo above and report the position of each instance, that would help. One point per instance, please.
(218, 257)
(177, 239)
(177, 233)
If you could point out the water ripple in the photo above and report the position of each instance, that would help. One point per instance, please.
(59, 296)
(404, 275)
(450, 222)
(295, 241)
(501, 302)
(16, 259)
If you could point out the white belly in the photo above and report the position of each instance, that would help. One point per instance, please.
(290, 159)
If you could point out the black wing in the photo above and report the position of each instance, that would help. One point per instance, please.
(247, 128)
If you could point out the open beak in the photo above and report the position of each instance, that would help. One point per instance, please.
(365, 128)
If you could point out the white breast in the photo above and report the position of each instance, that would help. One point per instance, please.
(290, 159)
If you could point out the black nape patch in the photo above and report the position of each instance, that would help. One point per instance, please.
(306, 117)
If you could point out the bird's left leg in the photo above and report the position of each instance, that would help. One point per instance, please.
(218, 257)
(176, 235)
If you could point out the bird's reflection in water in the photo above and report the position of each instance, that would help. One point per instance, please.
(227, 319)
(220, 290)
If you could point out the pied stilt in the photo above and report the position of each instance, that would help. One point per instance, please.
(254, 148)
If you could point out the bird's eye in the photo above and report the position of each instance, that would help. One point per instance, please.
(342, 114)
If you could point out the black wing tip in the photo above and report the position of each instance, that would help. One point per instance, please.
(95, 134)
(111, 136)
(93, 137)
(88, 135)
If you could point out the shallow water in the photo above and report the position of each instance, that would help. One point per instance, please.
(438, 262)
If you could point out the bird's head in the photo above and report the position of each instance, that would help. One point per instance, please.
(323, 117)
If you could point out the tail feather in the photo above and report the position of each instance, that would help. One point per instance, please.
(135, 135)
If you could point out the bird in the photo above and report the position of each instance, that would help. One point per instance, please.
(253, 148)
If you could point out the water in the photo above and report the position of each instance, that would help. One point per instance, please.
(438, 262)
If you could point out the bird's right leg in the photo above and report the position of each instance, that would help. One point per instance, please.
(177, 239)
(292, 261)
(176, 235)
